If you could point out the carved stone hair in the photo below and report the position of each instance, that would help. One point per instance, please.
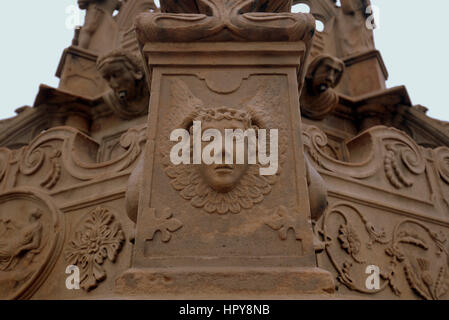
(129, 57)
(320, 60)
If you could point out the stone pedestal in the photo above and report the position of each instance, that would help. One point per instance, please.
(78, 73)
(365, 73)
(254, 239)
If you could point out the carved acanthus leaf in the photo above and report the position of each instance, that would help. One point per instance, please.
(426, 277)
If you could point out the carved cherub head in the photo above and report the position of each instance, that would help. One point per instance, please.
(323, 73)
(224, 177)
(222, 188)
(124, 73)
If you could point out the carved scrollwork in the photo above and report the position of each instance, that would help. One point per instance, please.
(410, 157)
(63, 148)
(99, 238)
(219, 20)
(5, 156)
(419, 273)
(352, 243)
(400, 156)
(442, 163)
(315, 140)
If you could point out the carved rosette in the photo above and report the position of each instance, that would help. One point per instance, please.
(99, 238)
(31, 230)
(412, 256)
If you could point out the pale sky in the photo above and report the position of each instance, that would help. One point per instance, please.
(412, 39)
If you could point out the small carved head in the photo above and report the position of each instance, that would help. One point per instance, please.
(223, 177)
(323, 73)
(123, 71)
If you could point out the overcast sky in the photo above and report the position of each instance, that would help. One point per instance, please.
(412, 39)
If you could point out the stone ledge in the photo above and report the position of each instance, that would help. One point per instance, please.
(218, 283)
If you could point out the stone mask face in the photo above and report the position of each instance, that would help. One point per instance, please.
(223, 177)
(121, 79)
(326, 76)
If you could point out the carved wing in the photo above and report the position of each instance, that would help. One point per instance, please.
(183, 104)
(264, 108)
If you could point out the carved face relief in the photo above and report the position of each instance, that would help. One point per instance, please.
(220, 188)
(224, 177)
(29, 242)
(122, 80)
(325, 73)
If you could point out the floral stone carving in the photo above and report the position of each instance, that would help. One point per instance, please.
(99, 238)
(352, 243)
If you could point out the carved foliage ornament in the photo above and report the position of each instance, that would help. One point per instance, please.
(284, 220)
(99, 238)
(199, 184)
(58, 150)
(221, 20)
(166, 224)
(413, 247)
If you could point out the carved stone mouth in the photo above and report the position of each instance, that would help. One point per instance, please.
(224, 168)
